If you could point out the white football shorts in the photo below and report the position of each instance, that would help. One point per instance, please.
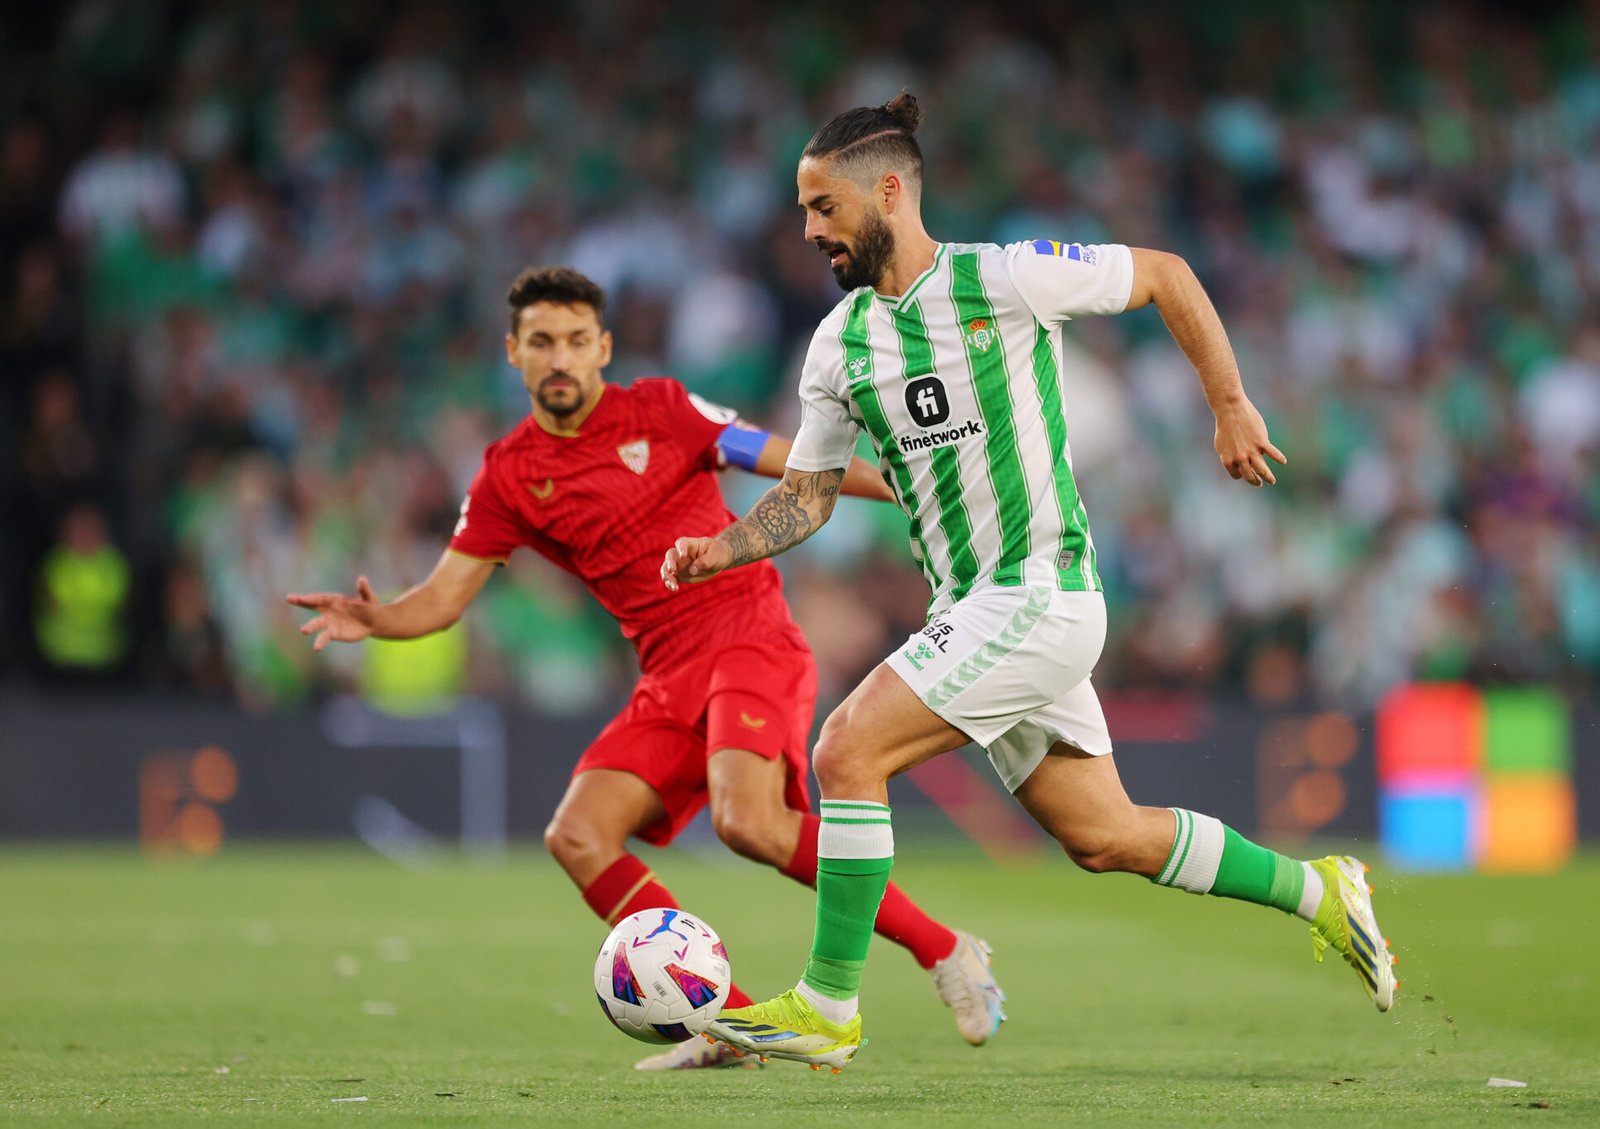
(1009, 667)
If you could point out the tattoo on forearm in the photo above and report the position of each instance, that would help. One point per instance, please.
(785, 516)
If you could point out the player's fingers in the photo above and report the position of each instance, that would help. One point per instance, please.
(1232, 468)
(309, 599)
(1263, 471)
(312, 625)
(1278, 456)
(364, 589)
(688, 556)
(322, 641)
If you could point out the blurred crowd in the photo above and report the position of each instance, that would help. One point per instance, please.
(255, 255)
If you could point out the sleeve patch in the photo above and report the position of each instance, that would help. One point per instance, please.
(716, 413)
(1077, 251)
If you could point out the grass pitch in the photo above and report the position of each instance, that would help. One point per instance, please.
(270, 986)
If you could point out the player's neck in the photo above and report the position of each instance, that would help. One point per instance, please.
(566, 426)
(912, 257)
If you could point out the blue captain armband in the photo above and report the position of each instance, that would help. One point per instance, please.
(741, 444)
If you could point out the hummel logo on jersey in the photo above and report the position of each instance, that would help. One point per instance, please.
(542, 492)
(927, 402)
(981, 336)
(751, 722)
(858, 366)
(635, 455)
(922, 654)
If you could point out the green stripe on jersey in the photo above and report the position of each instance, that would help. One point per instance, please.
(916, 351)
(991, 380)
(854, 340)
(1075, 566)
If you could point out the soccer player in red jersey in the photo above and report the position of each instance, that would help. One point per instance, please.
(600, 479)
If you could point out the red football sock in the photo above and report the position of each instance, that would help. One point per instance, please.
(899, 918)
(628, 886)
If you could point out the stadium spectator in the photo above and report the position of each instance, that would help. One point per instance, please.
(271, 271)
(80, 618)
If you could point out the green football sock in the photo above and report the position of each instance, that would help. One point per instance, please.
(1252, 873)
(1208, 857)
(855, 852)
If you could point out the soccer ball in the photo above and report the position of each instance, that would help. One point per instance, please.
(662, 976)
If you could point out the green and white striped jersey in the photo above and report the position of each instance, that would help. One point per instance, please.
(958, 384)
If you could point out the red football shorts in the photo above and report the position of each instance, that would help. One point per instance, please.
(759, 698)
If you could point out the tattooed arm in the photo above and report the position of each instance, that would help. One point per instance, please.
(786, 515)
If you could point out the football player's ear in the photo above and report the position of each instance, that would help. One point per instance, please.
(605, 348)
(511, 349)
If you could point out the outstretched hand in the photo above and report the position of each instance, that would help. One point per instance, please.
(341, 618)
(694, 559)
(1243, 446)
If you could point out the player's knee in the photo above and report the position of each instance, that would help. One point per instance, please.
(570, 840)
(843, 766)
(832, 763)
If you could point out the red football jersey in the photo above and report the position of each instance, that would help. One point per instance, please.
(607, 503)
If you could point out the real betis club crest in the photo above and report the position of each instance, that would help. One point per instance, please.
(980, 336)
(635, 455)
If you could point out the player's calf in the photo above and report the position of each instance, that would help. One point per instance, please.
(756, 834)
(1135, 840)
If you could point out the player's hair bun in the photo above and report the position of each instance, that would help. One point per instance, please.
(903, 110)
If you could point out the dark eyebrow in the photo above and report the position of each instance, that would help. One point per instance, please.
(817, 201)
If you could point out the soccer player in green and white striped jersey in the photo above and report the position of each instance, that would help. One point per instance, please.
(947, 356)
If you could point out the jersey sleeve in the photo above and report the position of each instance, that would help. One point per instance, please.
(1060, 281)
(826, 438)
(488, 529)
(693, 422)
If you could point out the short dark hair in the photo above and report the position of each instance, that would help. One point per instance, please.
(867, 141)
(561, 285)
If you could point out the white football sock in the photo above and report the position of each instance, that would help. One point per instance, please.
(1311, 895)
(834, 1011)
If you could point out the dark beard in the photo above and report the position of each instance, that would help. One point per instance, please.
(563, 409)
(866, 262)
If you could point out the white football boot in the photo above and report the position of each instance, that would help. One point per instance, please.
(967, 986)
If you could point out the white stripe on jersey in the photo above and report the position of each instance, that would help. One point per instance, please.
(958, 384)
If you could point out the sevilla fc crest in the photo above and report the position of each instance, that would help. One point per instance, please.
(635, 455)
